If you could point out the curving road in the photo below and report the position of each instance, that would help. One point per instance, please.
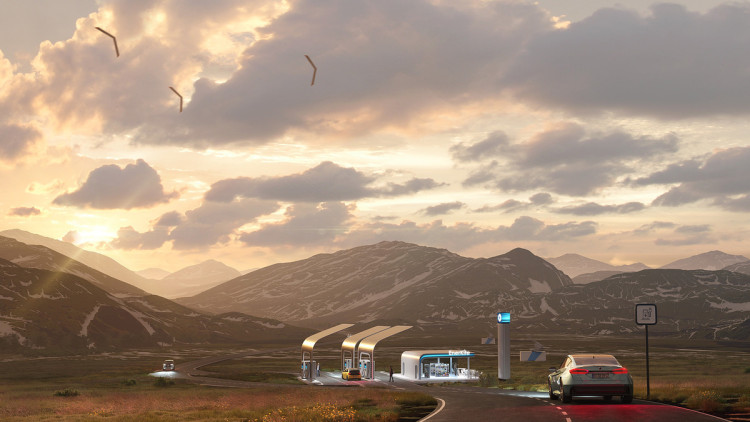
(467, 403)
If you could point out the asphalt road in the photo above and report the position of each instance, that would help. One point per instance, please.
(467, 404)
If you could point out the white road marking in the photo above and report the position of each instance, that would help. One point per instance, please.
(436, 411)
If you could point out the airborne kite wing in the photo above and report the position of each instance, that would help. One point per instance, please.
(178, 94)
(117, 50)
(315, 69)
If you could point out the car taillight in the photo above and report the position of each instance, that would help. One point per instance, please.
(620, 371)
(579, 371)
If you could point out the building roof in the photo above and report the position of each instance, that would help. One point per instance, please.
(309, 342)
(353, 340)
(419, 354)
(368, 344)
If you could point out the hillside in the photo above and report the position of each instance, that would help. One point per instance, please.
(706, 304)
(388, 280)
(35, 256)
(194, 279)
(574, 265)
(714, 260)
(51, 311)
(96, 261)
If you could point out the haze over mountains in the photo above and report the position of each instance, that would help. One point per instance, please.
(45, 295)
(185, 282)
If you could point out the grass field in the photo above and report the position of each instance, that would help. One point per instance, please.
(704, 375)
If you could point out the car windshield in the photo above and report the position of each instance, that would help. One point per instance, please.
(354, 372)
(596, 360)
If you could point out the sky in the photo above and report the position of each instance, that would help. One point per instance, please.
(618, 131)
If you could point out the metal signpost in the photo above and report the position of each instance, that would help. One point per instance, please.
(503, 346)
(645, 314)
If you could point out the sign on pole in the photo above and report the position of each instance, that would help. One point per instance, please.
(645, 314)
(503, 346)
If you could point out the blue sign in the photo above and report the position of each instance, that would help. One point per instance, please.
(503, 317)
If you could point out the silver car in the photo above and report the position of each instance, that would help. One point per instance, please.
(590, 375)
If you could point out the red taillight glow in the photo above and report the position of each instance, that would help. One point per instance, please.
(579, 371)
(620, 371)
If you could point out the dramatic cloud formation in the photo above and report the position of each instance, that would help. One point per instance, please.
(16, 140)
(493, 146)
(305, 225)
(512, 205)
(441, 209)
(111, 187)
(592, 208)
(723, 177)
(325, 182)
(565, 160)
(465, 235)
(665, 64)
(24, 211)
(210, 224)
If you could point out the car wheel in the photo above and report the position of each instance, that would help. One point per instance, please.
(566, 398)
(627, 399)
(552, 395)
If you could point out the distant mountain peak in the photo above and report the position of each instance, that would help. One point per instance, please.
(712, 260)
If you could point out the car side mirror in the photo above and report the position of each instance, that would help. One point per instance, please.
(552, 369)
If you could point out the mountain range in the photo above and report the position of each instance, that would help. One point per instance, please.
(50, 303)
(185, 282)
(443, 291)
(574, 265)
(49, 300)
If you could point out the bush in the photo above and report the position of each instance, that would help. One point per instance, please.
(130, 382)
(487, 379)
(747, 370)
(68, 392)
(705, 401)
(163, 382)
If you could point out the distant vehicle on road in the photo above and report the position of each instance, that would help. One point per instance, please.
(351, 374)
(590, 375)
(168, 365)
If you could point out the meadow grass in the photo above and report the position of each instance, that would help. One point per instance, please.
(705, 375)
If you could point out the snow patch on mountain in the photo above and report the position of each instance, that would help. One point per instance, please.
(87, 321)
(731, 307)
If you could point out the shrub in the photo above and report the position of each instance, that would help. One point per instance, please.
(747, 370)
(130, 382)
(68, 392)
(163, 382)
(487, 379)
(705, 401)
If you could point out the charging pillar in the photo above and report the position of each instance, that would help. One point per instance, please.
(503, 346)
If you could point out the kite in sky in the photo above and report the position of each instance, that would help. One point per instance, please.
(315, 69)
(178, 94)
(117, 50)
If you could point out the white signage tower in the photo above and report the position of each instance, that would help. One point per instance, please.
(503, 346)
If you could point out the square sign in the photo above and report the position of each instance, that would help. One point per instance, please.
(645, 314)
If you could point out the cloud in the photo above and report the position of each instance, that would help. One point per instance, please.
(382, 64)
(325, 182)
(721, 177)
(512, 205)
(207, 225)
(111, 187)
(441, 209)
(16, 140)
(24, 211)
(71, 236)
(493, 146)
(664, 64)
(649, 228)
(36, 188)
(465, 235)
(305, 224)
(565, 159)
(592, 208)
